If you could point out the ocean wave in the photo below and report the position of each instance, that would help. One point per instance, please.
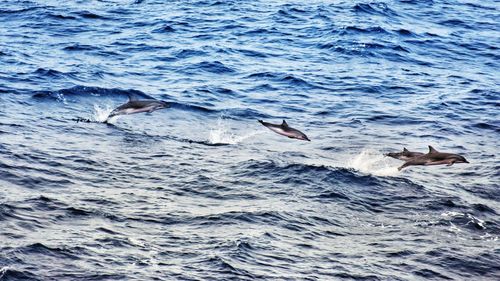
(376, 8)
(85, 91)
(215, 67)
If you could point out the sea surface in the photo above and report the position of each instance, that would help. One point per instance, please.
(201, 190)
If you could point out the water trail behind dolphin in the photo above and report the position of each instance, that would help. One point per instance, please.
(221, 134)
(372, 162)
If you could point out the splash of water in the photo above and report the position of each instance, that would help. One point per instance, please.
(221, 134)
(3, 270)
(61, 98)
(101, 114)
(372, 162)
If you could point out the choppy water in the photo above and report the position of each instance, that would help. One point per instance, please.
(202, 191)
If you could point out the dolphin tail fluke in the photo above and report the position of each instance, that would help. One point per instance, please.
(261, 122)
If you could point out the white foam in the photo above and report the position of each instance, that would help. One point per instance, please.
(372, 162)
(221, 134)
(3, 270)
(101, 114)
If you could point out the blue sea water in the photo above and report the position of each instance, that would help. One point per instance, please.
(202, 191)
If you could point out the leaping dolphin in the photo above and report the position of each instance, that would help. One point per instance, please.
(434, 157)
(404, 155)
(137, 106)
(285, 130)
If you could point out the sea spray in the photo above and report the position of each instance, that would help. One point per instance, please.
(372, 162)
(221, 133)
(101, 114)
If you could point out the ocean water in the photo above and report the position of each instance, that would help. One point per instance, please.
(202, 191)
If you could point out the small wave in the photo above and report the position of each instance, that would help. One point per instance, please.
(268, 75)
(191, 107)
(52, 73)
(375, 9)
(164, 29)
(487, 126)
(61, 17)
(260, 31)
(372, 162)
(8, 273)
(89, 15)
(484, 209)
(29, 9)
(79, 47)
(252, 53)
(296, 81)
(3, 270)
(284, 78)
(285, 14)
(373, 29)
(85, 91)
(455, 23)
(286, 173)
(216, 67)
(188, 53)
(405, 32)
(396, 120)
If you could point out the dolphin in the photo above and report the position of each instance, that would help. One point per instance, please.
(434, 157)
(285, 130)
(137, 106)
(404, 155)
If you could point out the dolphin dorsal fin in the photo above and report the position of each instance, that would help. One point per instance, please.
(432, 149)
(405, 150)
(284, 124)
(132, 97)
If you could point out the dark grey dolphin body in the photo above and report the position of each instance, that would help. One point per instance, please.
(138, 106)
(285, 130)
(404, 155)
(434, 157)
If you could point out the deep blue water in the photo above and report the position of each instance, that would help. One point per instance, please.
(202, 191)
